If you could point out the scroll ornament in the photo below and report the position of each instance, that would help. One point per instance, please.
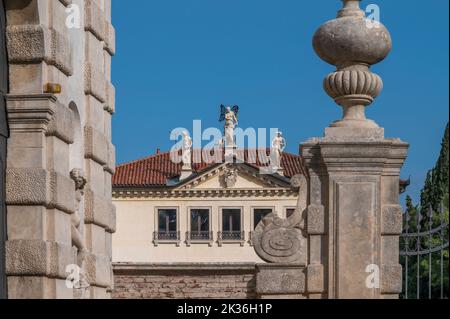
(278, 240)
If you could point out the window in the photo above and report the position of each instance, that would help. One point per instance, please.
(231, 224)
(167, 224)
(259, 214)
(289, 212)
(200, 224)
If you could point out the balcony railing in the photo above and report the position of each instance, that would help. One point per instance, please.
(199, 235)
(171, 236)
(231, 236)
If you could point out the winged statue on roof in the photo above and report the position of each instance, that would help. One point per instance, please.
(229, 115)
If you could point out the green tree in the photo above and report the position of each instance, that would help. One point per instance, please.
(432, 213)
(435, 191)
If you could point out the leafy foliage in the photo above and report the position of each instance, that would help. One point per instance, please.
(428, 272)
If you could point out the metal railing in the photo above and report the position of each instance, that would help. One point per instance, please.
(169, 236)
(424, 254)
(231, 235)
(199, 235)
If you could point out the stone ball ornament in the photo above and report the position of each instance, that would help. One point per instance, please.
(352, 39)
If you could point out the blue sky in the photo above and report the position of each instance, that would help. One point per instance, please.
(178, 60)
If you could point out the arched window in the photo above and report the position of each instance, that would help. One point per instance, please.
(76, 149)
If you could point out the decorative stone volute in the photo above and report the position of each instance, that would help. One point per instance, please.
(278, 240)
(353, 43)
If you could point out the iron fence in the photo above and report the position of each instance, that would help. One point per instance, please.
(424, 254)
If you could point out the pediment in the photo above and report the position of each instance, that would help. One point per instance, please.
(235, 176)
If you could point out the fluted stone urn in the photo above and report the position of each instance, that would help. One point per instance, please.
(353, 44)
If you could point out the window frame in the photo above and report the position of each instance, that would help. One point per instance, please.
(236, 241)
(156, 240)
(209, 241)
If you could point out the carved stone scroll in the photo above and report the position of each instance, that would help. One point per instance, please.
(278, 240)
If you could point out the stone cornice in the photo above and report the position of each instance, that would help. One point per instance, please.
(30, 112)
(202, 193)
(271, 181)
(385, 155)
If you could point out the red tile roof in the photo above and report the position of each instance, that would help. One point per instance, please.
(156, 170)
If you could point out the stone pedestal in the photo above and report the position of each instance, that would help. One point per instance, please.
(356, 182)
(186, 172)
(280, 281)
(230, 153)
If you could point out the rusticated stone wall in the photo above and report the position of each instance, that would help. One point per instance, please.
(53, 133)
(184, 281)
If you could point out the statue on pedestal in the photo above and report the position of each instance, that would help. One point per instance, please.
(278, 146)
(187, 150)
(77, 235)
(230, 116)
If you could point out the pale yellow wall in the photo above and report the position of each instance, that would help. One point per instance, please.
(133, 241)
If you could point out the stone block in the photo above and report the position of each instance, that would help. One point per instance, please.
(37, 258)
(26, 186)
(36, 43)
(110, 167)
(98, 270)
(315, 279)
(94, 19)
(94, 81)
(40, 187)
(26, 222)
(96, 145)
(110, 38)
(280, 279)
(316, 220)
(392, 220)
(95, 114)
(61, 193)
(62, 124)
(57, 155)
(95, 239)
(94, 52)
(97, 210)
(391, 279)
(110, 104)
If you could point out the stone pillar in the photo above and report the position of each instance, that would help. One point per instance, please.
(56, 90)
(99, 152)
(354, 219)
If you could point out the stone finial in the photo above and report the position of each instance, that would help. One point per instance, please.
(353, 43)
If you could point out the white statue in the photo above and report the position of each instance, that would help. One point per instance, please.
(77, 176)
(230, 116)
(186, 150)
(77, 235)
(278, 146)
